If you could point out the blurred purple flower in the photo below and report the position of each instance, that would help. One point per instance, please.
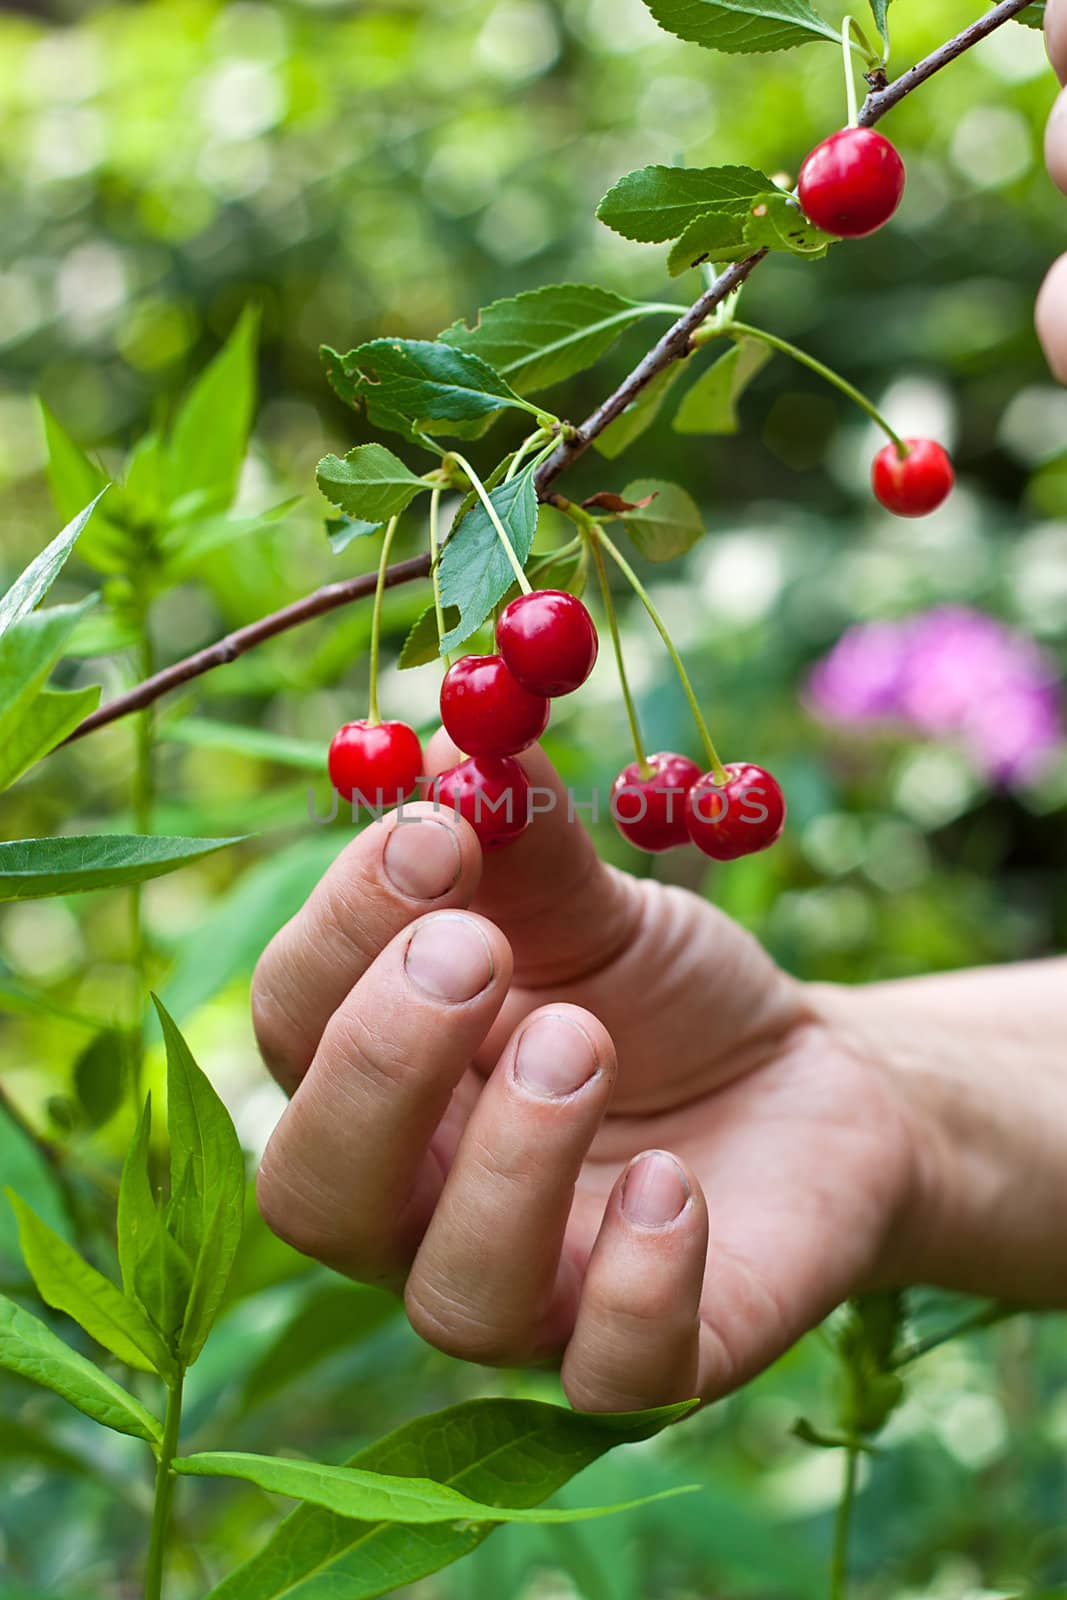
(948, 672)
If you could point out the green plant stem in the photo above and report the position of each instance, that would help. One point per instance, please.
(526, 448)
(143, 808)
(643, 765)
(435, 576)
(172, 1421)
(843, 1527)
(772, 341)
(491, 512)
(986, 1317)
(376, 619)
(850, 77)
(715, 765)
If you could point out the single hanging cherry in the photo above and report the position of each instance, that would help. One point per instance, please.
(377, 761)
(738, 818)
(492, 793)
(548, 642)
(851, 183)
(649, 810)
(487, 712)
(915, 484)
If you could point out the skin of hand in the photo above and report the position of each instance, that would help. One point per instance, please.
(574, 1116)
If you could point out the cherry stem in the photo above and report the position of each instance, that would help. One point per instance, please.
(850, 78)
(525, 448)
(435, 576)
(848, 389)
(721, 776)
(491, 512)
(376, 621)
(644, 766)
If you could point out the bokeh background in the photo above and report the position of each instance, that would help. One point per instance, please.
(355, 170)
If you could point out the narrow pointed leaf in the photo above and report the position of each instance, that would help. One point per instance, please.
(29, 589)
(619, 435)
(371, 483)
(659, 203)
(500, 1452)
(30, 1348)
(32, 869)
(880, 12)
(44, 724)
(28, 652)
(743, 25)
(66, 1281)
(421, 645)
(668, 526)
(99, 1075)
(475, 570)
(207, 445)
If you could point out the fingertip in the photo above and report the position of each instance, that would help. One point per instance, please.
(1056, 142)
(1050, 318)
(1056, 37)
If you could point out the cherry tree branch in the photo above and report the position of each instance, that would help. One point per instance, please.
(675, 345)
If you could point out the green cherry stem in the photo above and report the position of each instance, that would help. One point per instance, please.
(827, 373)
(491, 512)
(376, 620)
(715, 765)
(593, 543)
(850, 77)
(435, 576)
(843, 1524)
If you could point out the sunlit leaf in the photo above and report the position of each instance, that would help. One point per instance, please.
(207, 443)
(742, 25)
(34, 583)
(658, 203)
(32, 869)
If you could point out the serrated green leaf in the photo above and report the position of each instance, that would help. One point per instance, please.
(776, 222)
(343, 531)
(32, 1350)
(204, 1144)
(421, 645)
(98, 1076)
(658, 203)
(542, 336)
(371, 483)
(379, 1497)
(475, 571)
(498, 1452)
(33, 869)
(44, 724)
(668, 526)
(66, 1281)
(619, 435)
(716, 236)
(30, 588)
(207, 444)
(710, 406)
(405, 384)
(743, 25)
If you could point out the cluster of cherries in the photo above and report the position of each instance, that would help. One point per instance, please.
(496, 706)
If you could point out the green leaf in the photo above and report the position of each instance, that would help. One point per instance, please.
(379, 1497)
(776, 222)
(669, 526)
(343, 531)
(658, 203)
(204, 1140)
(34, 583)
(29, 1173)
(543, 336)
(499, 1452)
(715, 236)
(259, 744)
(710, 406)
(475, 571)
(44, 724)
(880, 12)
(28, 652)
(98, 1076)
(68, 1283)
(742, 25)
(421, 645)
(32, 869)
(138, 1214)
(209, 438)
(370, 483)
(1032, 17)
(336, 1316)
(619, 435)
(32, 1350)
(407, 383)
(185, 546)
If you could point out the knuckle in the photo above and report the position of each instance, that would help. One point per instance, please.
(450, 1324)
(380, 1059)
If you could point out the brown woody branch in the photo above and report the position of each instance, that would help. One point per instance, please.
(675, 345)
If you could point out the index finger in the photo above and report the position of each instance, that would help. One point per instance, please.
(1056, 37)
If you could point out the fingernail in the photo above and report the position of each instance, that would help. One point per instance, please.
(422, 858)
(655, 1190)
(555, 1056)
(449, 958)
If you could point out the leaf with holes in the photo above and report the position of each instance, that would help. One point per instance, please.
(716, 236)
(371, 483)
(776, 222)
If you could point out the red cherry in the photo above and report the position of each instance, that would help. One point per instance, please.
(548, 641)
(851, 183)
(744, 815)
(492, 793)
(915, 484)
(376, 761)
(486, 712)
(650, 812)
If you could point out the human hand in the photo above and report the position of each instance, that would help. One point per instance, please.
(1051, 315)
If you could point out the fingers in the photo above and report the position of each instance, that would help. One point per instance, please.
(1051, 318)
(488, 1283)
(564, 911)
(349, 1175)
(636, 1340)
(1056, 37)
(397, 868)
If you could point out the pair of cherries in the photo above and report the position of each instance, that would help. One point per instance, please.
(493, 707)
(850, 185)
(673, 803)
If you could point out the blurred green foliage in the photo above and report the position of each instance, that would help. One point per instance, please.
(354, 170)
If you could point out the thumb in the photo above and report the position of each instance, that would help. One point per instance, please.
(566, 914)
